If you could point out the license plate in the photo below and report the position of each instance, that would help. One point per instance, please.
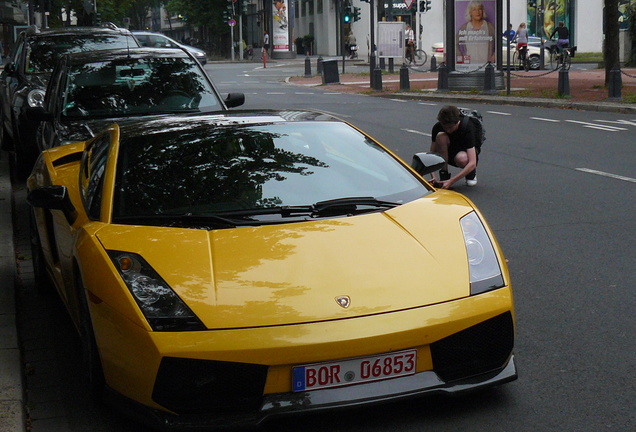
(354, 371)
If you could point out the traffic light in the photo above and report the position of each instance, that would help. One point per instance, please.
(428, 5)
(425, 5)
(356, 14)
(348, 14)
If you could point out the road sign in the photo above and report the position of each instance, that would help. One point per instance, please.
(232, 22)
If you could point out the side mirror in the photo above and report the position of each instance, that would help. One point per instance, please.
(10, 69)
(425, 163)
(53, 198)
(234, 99)
(38, 114)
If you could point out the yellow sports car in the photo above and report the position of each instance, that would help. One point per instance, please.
(225, 268)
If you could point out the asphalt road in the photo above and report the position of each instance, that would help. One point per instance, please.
(557, 187)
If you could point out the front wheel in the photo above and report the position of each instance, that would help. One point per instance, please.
(554, 60)
(419, 57)
(91, 361)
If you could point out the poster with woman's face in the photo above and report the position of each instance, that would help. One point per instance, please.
(475, 36)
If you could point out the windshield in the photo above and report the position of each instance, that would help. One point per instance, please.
(44, 51)
(134, 86)
(247, 170)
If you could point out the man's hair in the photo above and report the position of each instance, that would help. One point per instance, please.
(448, 115)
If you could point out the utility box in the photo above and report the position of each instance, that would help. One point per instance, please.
(390, 41)
(330, 72)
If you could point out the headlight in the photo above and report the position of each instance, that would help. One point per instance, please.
(485, 273)
(35, 98)
(161, 306)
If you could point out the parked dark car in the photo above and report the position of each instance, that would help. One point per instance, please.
(158, 40)
(24, 79)
(89, 91)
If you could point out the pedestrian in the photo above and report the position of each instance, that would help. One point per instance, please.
(456, 141)
(509, 34)
(563, 36)
(266, 42)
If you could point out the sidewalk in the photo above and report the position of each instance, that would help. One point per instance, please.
(533, 88)
(12, 416)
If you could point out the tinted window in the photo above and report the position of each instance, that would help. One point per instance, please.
(138, 86)
(45, 50)
(228, 168)
(92, 174)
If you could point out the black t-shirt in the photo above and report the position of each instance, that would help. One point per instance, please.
(562, 32)
(462, 139)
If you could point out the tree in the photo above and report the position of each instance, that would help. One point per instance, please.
(611, 51)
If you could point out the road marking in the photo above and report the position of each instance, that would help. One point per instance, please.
(416, 132)
(304, 93)
(624, 122)
(275, 93)
(399, 100)
(604, 174)
(427, 103)
(595, 126)
(499, 113)
(545, 119)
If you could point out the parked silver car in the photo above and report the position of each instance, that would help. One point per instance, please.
(158, 40)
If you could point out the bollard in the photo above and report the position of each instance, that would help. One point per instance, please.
(564, 83)
(307, 67)
(615, 84)
(433, 64)
(404, 78)
(442, 78)
(319, 65)
(371, 69)
(377, 79)
(489, 79)
(382, 63)
(391, 67)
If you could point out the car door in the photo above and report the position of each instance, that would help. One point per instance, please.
(48, 136)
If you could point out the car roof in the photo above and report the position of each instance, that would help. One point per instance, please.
(75, 30)
(132, 52)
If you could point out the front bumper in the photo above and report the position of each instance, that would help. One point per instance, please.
(421, 384)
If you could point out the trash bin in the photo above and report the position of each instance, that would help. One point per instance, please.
(330, 72)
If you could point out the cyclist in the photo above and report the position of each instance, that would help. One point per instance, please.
(522, 43)
(563, 40)
(409, 38)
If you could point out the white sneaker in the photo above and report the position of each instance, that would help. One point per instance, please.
(472, 182)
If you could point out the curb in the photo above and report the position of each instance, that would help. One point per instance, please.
(12, 413)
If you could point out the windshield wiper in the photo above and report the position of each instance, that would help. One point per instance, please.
(334, 207)
(354, 202)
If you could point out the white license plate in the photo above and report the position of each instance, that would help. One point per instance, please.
(354, 371)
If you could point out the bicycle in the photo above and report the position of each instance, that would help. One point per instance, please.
(520, 59)
(416, 57)
(561, 59)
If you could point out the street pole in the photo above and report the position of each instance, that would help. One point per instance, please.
(342, 38)
(372, 56)
(241, 35)
(508, 42)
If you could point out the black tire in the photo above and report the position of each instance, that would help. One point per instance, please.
(91, 361)
(420, 57)
(554, 60)
(40, 275)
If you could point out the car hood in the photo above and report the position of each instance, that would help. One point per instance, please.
(410, 256)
